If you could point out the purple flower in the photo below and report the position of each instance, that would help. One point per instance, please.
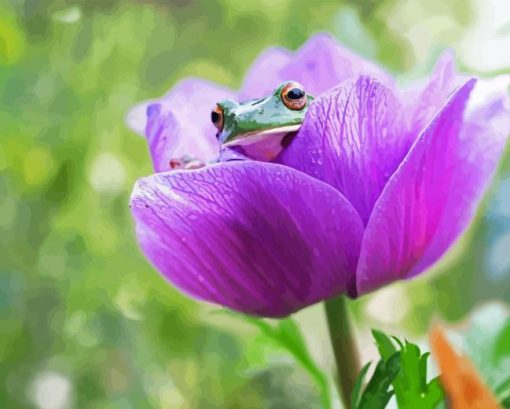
(375, 187)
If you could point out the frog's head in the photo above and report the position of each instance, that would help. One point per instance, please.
(262, 120)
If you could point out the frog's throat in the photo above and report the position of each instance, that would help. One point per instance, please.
(251, 138)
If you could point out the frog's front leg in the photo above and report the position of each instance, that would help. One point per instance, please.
(188, 162)
(229, 155)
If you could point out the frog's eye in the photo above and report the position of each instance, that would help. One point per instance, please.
(217, 117)
(294, 96)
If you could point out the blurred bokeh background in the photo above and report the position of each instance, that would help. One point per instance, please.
(85, 322)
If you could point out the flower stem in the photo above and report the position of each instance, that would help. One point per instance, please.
(344, 347)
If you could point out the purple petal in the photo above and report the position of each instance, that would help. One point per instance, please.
(265, 73)
(425, 103)
(256, 237)
(352, 139)
(433, 195)
(136, 118)
(179, 124)
(322, 63)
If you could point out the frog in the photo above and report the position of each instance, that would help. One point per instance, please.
(261, 128)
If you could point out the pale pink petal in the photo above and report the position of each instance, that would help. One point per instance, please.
(322, 63)
(265, 73)
(180, 123)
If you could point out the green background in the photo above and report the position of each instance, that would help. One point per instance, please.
(82, 313)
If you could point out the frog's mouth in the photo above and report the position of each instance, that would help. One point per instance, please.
(264, 145)
(274, 135)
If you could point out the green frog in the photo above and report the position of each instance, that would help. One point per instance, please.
(260, 128)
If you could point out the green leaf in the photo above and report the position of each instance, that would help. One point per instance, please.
(410, 384)
(377, 393)
(435, 392)
(384, 344)
(286, 334)
(356, 391)
(502, 391)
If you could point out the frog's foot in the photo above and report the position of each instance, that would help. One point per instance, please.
(186, 163)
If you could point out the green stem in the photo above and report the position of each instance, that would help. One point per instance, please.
(344, 347)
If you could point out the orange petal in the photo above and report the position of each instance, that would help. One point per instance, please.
(463, 386)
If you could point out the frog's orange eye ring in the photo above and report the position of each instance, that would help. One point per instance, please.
(294, 96)
(217, 117)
